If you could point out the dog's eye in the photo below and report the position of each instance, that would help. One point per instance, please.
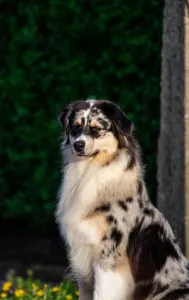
(76, 126)
(95, 129)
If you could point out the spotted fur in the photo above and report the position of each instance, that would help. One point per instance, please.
(120, 246)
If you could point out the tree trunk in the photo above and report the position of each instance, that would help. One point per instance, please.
(171, 188)
(187, 127)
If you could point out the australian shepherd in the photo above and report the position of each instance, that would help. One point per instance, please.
(120, 246)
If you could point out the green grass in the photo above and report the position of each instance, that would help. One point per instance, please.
(26, 289)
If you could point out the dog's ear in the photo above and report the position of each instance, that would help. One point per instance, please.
(120, 120)
(121, 125)
(117, 117)
(63, 117)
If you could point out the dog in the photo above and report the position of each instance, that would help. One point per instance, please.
(120, 246)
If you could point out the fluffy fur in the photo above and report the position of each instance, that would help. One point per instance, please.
(120, 246)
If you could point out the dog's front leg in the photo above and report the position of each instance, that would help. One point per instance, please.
(111, 284)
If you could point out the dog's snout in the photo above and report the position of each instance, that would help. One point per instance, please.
(79, 146)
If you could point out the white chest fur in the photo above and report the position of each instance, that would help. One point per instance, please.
(85, 187)
(77, 197)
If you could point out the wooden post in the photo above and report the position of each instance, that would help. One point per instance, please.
(186, 104)
(171, 150)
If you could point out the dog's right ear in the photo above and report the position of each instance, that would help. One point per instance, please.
(63, 117)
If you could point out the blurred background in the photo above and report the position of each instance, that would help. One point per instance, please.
(51, 53)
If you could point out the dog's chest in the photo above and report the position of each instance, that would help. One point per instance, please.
(78, 236)
(84, 189)
(77, 197)
(76, 226)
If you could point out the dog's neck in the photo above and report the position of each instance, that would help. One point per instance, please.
(106, 178)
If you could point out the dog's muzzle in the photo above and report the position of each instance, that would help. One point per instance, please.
(79, 146)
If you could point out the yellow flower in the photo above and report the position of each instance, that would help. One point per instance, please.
(45, 286)
(6, 286)
(68, 297)
(19, 293)
(40, 293)
(30, 272)
(55, 289)
(34, 286)
(3, 295)
(77, 293)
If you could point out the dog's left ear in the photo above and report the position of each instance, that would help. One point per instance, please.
(124, 125)
(117, 116)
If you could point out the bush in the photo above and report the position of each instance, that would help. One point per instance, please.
(53, 52)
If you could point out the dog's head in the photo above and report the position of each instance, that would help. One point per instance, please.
(94, 126)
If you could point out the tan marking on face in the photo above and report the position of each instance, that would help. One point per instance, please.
(94, 123)
(107, 143)
(107, 147)
(78, 122)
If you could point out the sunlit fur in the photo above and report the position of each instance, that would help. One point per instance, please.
(120, 247)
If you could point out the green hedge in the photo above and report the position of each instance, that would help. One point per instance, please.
(53, 52)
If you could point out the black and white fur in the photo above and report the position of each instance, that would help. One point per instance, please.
(120, 246)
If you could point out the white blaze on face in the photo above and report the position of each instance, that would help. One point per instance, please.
(89, 142)
(91, 101)
(83, 114)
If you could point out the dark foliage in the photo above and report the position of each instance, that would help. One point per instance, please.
(53, 52)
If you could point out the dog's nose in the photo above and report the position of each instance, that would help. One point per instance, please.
(79, 146)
